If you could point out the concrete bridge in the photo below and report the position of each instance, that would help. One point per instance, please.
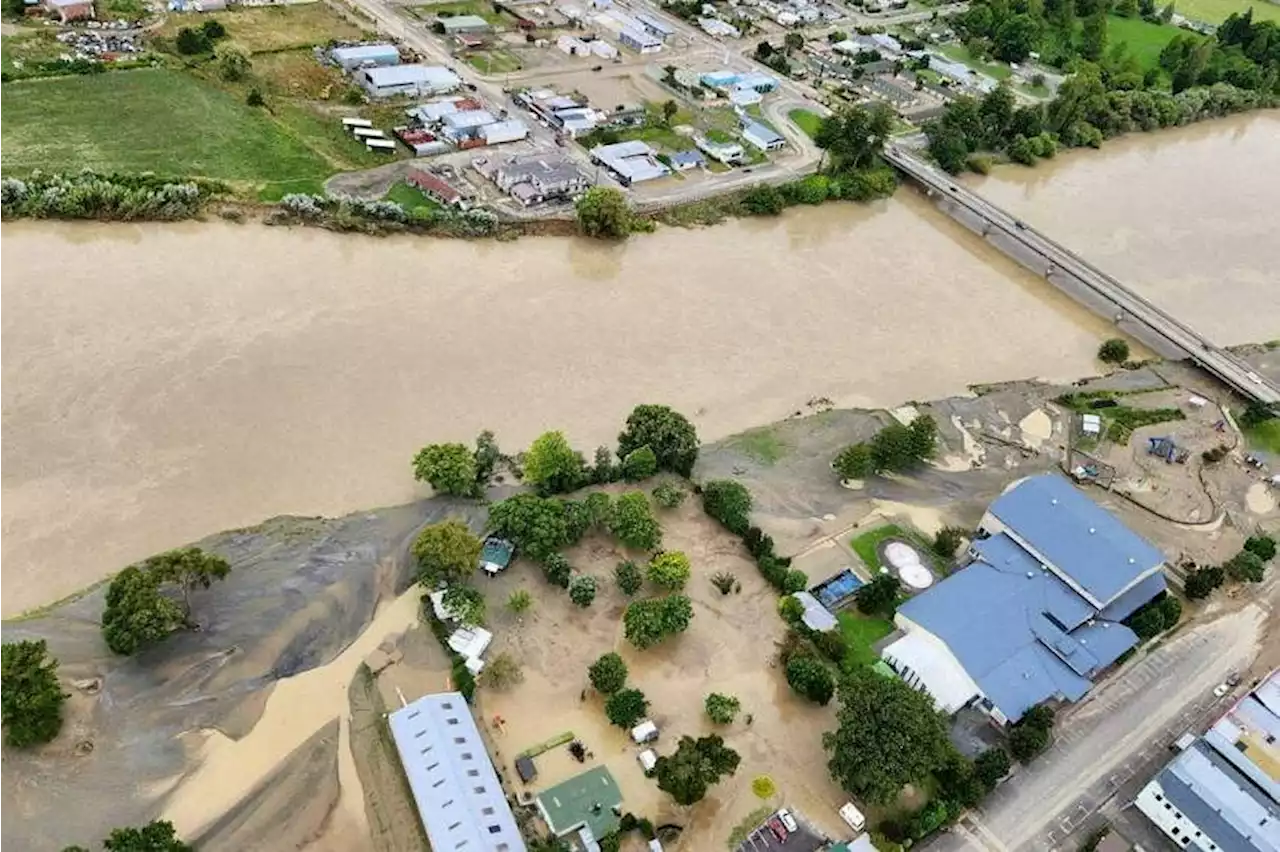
(1087, 284)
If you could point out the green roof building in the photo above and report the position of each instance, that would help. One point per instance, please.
(585, 801)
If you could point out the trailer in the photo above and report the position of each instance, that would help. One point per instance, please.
(380, 146)
(351, 123)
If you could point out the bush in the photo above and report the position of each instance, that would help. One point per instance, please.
(254, 98)
(557, 570)
(30, 698)
(669, 496)
(774, 570)
(669, 570)
(729, 503)
(582, 590)
(947, 540)
(1202, 581)
(992, 765)
(758, 542)
(880, 596)
(1215, 455)
(790, 609)
(979, 163)
(832, 645)
(1113, 351)
(665, 431)
(724, 582)
(795, 581)
(632, 522)
(88, 195)
(722, 709)
(213, 29)
(191, 42)
(1261, 546)
(854, 462)
(639, 464)
(502, 671)
(763, 201)
(1030, 735)
(608, 674)
(603, 213)
(811, 678)
(628, 576)
(648, 622)
(519, 601)
(626, 707)
(1246, 567)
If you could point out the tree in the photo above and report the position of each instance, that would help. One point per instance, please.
(924, 437)
(535, 524)
(947, 145)
(1261, 546)
(670, 570)
(554, 466)
(948, 539)
(1016, 38)
(895, 448)
(30, 698)
(880, 596)
(888, 735)
(557, 570)
(465, 604)
(694, 767)
(582, 590)
(632, 522)
(604, 470)
(447, 552)
(190, 42)
(628, 576)
(626, 707)
(1027, 741)
(854, 137)
(669, 496)
(811, 678)
(763, 787)
(958, 784)
(1113, 351)
(794, 580)
(1093, 41)
(233, 64)
(450, 468)
(666, 432)
(793, 41)
(603, 213)
(763, 51)
(854, 462)
(729, 503)
(486, 458)
(155, 836)
(992, 765)
(136, 613)
(669, 110)
(1202, 581)
(1129, 8)
(608, 674)
(502, 671)
(1021, 151)
(721, 708)
(213, 29)
(647, 622)
(189, 568)
(519, 601)
(790, 609)
(1245, 566)
(255, 98)
(763, 200)
(639, 464)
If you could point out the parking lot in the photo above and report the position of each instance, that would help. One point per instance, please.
(804, 839)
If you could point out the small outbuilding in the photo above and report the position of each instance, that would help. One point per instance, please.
(365, 56)
(816, 616)
(71, 10)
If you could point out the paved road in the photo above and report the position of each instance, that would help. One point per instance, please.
(1119, 735)
(1177, 336)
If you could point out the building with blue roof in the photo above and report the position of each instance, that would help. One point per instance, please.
(1037, 613)
(1222, 793)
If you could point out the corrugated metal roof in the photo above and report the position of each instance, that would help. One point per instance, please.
(404, 75)
(1077, 536)
(1221, 802)
(365, 51)
(1131, 601)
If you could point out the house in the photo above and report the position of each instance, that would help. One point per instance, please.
(455, 24)
(758, 81)
(587, 806)
(640, 41)
(761, 136)
(71, 10)
(717, 27)
(498, 132)
(631, 162)
(744, 97)
(209, 5)
(460, 801)
(683, 161)
(539, 179)
(365, 56)
(655, 26)
(1036, 615)
(394, 80)
(437, 189)
(470, 41)
(720, 79)
(1222, 793)
(729, 153)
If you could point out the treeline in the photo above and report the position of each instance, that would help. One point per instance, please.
(120, 197)
(341, 213)
(1243, 52)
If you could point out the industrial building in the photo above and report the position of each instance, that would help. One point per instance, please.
(394, 80)
(631, 162)
(460, 801)
(365, 56)
(1037, 614)
(641, 41)
(655, 26)
(458, 24)
(1222, 793)
(761, 136)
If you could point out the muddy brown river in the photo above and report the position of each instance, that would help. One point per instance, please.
(161, 382)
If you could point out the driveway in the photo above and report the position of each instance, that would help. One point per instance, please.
(805, 838)
(1116, 738)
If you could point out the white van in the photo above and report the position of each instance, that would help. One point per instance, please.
(648, 760)
(645, 732)
(852, 817)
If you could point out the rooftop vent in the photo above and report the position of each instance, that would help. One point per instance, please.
(1092, 530)
(1031, 575)
(1053, 501)
(1132, 560)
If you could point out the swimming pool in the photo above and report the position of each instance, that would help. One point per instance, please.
(837, 589)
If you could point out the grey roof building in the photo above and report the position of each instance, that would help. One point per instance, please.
(1223, 793)
(1036, 614)
(460, 801)
(464, 24)
(632, 161)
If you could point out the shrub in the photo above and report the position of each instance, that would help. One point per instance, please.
(608, 674)
(794, 581)
(628, 576)
(667, 432)
(632, 522)
(639, 464)
(502, 671)
(1114, 351)
(1030, 735)
(463, 680)
(774, 570)
(992, 765)
(1202, 581)
(758, 542)
(669, 496)
(29, 693)
(648, 622)
(255, 98)
(1261, 546)
(669, 570)
(763, 201)
(790, 609)
(723, 581)
(582, 590)
(948, 539)
(832, 645)
(722, 709)
(855, 462)
(1215, 455)
(811, 678)
(626, 707)
(519, 601)
(880, 596)
(191, 42)
(1246, 567)
(763, 787)
(557, 570)
(213, 29)
(729, 503)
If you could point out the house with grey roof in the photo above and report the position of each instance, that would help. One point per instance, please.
(460, 24)
(1222, 794)
(631, 162)
(1037, 613)
(460, 801)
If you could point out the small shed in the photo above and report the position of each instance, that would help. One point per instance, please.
(526, 769)
(1091, 424)
(816, 616)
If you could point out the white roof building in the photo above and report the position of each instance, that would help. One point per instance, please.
(631, 161)
(408, 79)
(459, 798)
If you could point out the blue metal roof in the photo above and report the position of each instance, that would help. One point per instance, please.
(1077, 536)
(761, 132)
(1131, 601)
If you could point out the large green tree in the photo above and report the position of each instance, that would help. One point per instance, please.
(447, 552)
(449, 468)
(608, 674)
(155, 836)
(889, 735)
(854, 137)
(695, 765)
(30, 697)
(553, 466)
(603, 213)
(1016, 37)
(137, 613)
(811, 678)
(666, 432)
(729, 503)
(880, 596)
(855, 462)
(189, 568)
(632, 521)
(582, 590)
(536, 524)
(626, 707)
(648, 622)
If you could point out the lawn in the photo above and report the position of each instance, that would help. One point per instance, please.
(123, 10)
(39, 46)
(865, 545)
(807, 121)
(466, 7)
(267, 28)
(148, 120)
(762, 444)
(410, 197)
(1265, 436)
(1144, 40)
(494, 61)
(860, 633)
(1217, 11)
(960, 53)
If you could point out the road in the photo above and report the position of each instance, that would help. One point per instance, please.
(1177, 338)
(1117, 737)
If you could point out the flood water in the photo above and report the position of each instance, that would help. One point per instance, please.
(161, 382)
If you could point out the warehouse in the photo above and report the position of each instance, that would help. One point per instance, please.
(407, 80)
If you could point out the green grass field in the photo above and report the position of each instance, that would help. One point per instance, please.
(807, 121)
(494, 61)
(148, 120)
(1265, 436)
(1144, 40)
(1217, 11)
(410, 197)
(960, 53)
(480, 8)
(762, 444)
(865, 545)
(861, 632)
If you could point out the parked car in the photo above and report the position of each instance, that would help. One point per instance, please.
(779, 830)
(788, 820)
(597, 68)
(1221, 690)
